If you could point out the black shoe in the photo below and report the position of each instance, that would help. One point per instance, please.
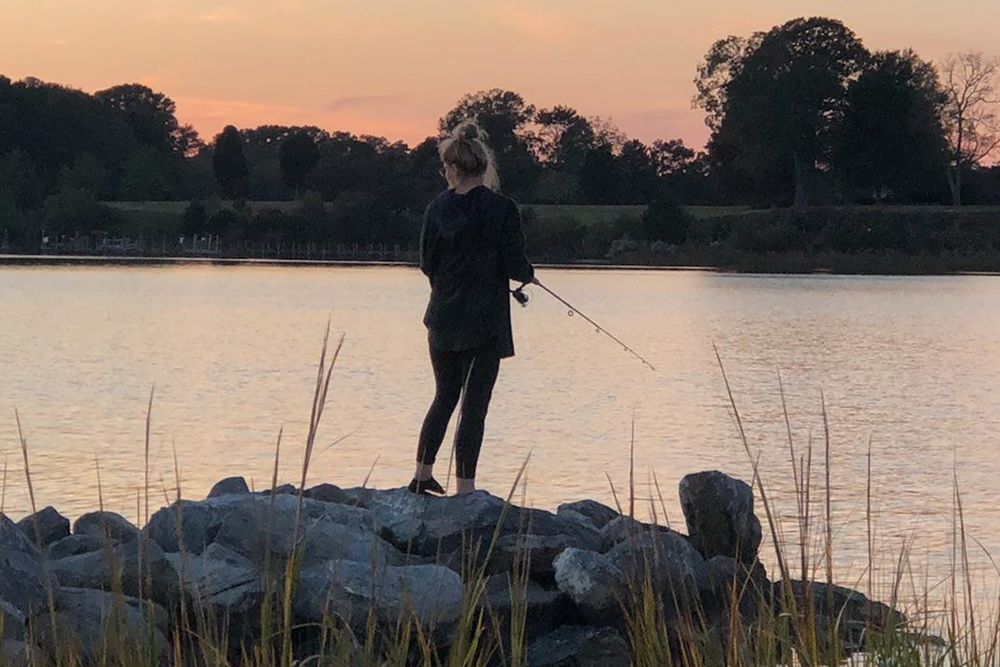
(426, 487)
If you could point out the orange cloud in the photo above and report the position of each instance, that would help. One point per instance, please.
(530, 20)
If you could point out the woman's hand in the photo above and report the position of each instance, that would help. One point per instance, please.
(534, 281)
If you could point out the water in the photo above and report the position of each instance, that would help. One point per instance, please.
(911, 363)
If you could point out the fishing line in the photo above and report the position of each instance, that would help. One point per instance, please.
(572, 310)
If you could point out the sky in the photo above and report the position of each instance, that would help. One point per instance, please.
(393, 67)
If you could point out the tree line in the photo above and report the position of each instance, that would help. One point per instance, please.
(801, 114)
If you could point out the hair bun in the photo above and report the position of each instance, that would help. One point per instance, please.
(468, 130)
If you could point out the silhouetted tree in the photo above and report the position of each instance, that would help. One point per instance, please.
(229, 164)
(194, 220)
(504, 116)
(780, 93)
(637, 173)
(297, 156)
(972, 83)
(85, 173)
(665, 220)
(151, 115)
(892, 138)
(599, 178)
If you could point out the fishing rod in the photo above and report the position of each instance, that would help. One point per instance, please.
(522, 299)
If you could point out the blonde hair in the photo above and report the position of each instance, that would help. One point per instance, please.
(465, 148)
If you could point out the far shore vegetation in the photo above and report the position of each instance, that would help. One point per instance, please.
(824, 156)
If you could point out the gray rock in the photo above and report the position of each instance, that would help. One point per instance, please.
(849, 611)
(74, 545)
(665, 555)
(52, 526)
(623, 528)
(536, 551)
(230, 486)
(571, 646)
(156, 580)
(351, 590)
(599, 515)
(427, 525)
(104, 525)
(593, 582)
(719, 513)
(200, 522)
(722, 579)
(15, 653)
(544, 610)
(13, 625)
(85, 619)
(23, 580)
(329, 493)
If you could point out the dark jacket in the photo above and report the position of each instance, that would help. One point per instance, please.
(471, 247)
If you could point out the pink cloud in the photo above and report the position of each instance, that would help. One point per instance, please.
(530, 20)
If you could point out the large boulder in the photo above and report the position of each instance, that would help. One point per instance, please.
(106, 525)
(138, 567)
(665, 556)
(574, 646)
(23, 581)
(195, 525)
(544, 610)
(74, 545)
(352, 590)
(230, 486)
(624, 528)
(12, 623)
(719, 513)
(103, 628)
(593, 582)
(851, 612)
(428, 525)
(598, 514)
(329, 493)
(50, 525)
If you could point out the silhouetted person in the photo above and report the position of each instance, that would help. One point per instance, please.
(471, 247)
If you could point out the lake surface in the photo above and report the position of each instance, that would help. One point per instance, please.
(912, 364)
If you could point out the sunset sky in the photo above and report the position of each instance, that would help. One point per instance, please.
(393, 67)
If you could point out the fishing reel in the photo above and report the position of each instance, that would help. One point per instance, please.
(520, 296)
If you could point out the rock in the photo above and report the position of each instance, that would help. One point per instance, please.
(225, 587)
(200, 522)
(666, 556)
(536, 551)
(106, 525)
(718, 510)
(721, 578)
(328, 493)
(230, 486)
(544, 610)
(15, 653)
(850, 611)
(320, 538)
(52, 526)
(23, 580)
(86, 619)
(13, 622)
(429, 592)
(593, 582)
(599, 515)
(74, 545)
(158, 579)
(623, 528)
(427, 525)
(571, 646)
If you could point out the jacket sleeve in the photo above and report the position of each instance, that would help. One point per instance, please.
(515, 254)
(427, 237)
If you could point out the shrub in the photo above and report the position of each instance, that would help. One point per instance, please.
(665, 220)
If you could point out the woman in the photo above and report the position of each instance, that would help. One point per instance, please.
(471, 247)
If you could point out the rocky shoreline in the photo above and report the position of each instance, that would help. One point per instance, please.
(572, 581)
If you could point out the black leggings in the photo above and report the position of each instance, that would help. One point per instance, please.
(477, 371)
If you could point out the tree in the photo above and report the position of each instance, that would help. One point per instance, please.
(229, 164)
(564, 138)
(194, 219)
(972, 84)
(86, 173)
(599, 178)
(778, 94)
(151, 115)
(891, 138)
(665, 220)
(637, 173)
(297, 156)
(504, 116)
